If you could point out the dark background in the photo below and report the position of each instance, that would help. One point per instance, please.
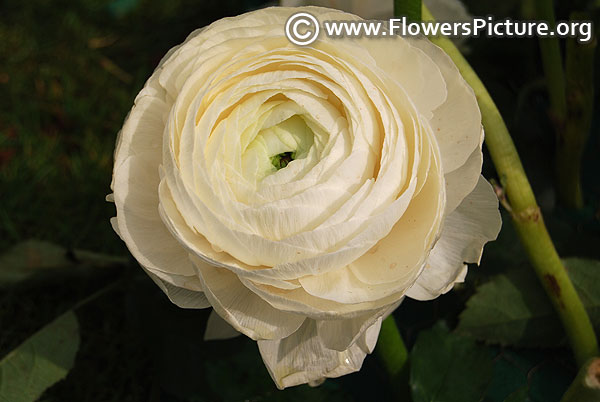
(69, 71)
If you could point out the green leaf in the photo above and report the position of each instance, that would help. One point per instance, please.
(512, 308)
(529, 375)
(447, 367)
(41, 361)
(585, 275)
(409, 8)
(34, 257)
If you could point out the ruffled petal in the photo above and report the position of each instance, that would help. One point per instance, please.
(243, 309)
(181, 295)
(135, 183)
(138, 220)
(457, 122)
(460, 182)
(302, 357)
(341, 334)
(466, 230)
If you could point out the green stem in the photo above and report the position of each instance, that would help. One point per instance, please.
(552, 62)
(586, 387)
(409, 8)
(392, 353)
(571, 141)
(526, 214)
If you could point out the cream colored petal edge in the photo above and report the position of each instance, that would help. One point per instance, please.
(243, 309)
(302, 358)
(410, 67)
(135, 185)
(341, 334)
(460, 182)
(466, 230)
(457, 122)
(138, 220)
(181, 297)
(217, 328)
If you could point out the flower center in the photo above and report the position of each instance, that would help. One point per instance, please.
(281, 160)
(275, 147)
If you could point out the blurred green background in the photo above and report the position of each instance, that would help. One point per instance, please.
(69, 71)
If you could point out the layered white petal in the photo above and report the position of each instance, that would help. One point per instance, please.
(186, 294)
(341, 334)
(243, 309)
(302, 357)
(457, 122)
(466, 230)
(460, 182)
(138, 220)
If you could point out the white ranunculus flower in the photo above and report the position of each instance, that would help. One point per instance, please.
(302, 192)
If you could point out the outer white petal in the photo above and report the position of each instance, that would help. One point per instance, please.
(367, 341)
(242, 308)
(181, 296)
(475, 222)
(138, 221)
(460, 182)
(301, 357)
(135, 184)
(341, 334)
(218, 328)
(411, 68)
(457, 122)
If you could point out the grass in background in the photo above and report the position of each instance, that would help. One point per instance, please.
(68, 77)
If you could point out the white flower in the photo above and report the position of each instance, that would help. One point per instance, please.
(383, 198)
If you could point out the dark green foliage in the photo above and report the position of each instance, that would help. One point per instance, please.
(447, 367)
(511, 309)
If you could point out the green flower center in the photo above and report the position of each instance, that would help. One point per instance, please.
(275, 147)
(281, 160)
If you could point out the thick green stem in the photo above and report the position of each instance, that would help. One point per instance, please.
(552, 62)
(393, 355)
(411, 9)
(570, 142)
(527, 217)
(586, 387)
